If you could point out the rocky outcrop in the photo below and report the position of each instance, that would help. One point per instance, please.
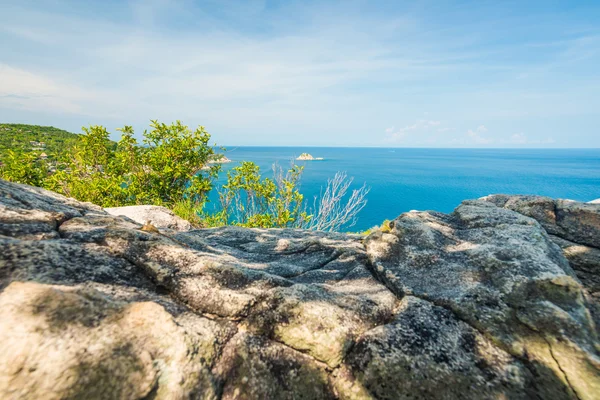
(476, 304)
(574, 226)
(160, 217)
(585, 260)
(220, 159)
(308, 157)
(498, 272)
(570, 220)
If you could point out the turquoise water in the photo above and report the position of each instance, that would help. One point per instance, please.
(436, 179)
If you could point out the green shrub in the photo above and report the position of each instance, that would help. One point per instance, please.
(248, 199)
(28, 168)
(190, 211)
(385, 227)
(169, 167)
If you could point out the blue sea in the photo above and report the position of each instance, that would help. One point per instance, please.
(435, 179)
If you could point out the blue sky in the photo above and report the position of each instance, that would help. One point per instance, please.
(349, 73)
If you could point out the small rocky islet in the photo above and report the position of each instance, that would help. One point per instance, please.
(499, 299)
(308, 157)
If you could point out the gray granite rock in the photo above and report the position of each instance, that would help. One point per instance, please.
(499, 272)
(575, 227)
(74, 342)
(30, 212)
(571, 220)
(160, 217)
(437, 356)
(585, 260)
(477, 304)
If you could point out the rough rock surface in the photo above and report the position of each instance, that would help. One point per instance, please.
(160, 217)
(574, 226)
(499, 272)
(474, 305)
(568, 219)
(585, 260)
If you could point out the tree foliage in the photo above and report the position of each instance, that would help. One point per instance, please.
(172, 164)
(248, 199)
(25, 168)
(46, 139)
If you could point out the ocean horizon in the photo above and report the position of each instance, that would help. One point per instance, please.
(404, 179)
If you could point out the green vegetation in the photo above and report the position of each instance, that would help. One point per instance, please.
(35, 139)
(385, 227)
(175, 167)
(167, 169)
(248, 199)
(24, 167)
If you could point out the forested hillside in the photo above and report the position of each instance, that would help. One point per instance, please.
(40, 139)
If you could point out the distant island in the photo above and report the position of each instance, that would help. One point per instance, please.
(308, 157)
(220, 160)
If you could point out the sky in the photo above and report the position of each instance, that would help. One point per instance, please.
(310, 73)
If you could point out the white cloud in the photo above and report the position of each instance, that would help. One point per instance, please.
(218, 77)
(395, 137)
(241, 68)
(295, 69)
(475, 137)
(398, 135)
(37, 35)
(478, 139)
(518, 138)
(21, 89)
(521, 139)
